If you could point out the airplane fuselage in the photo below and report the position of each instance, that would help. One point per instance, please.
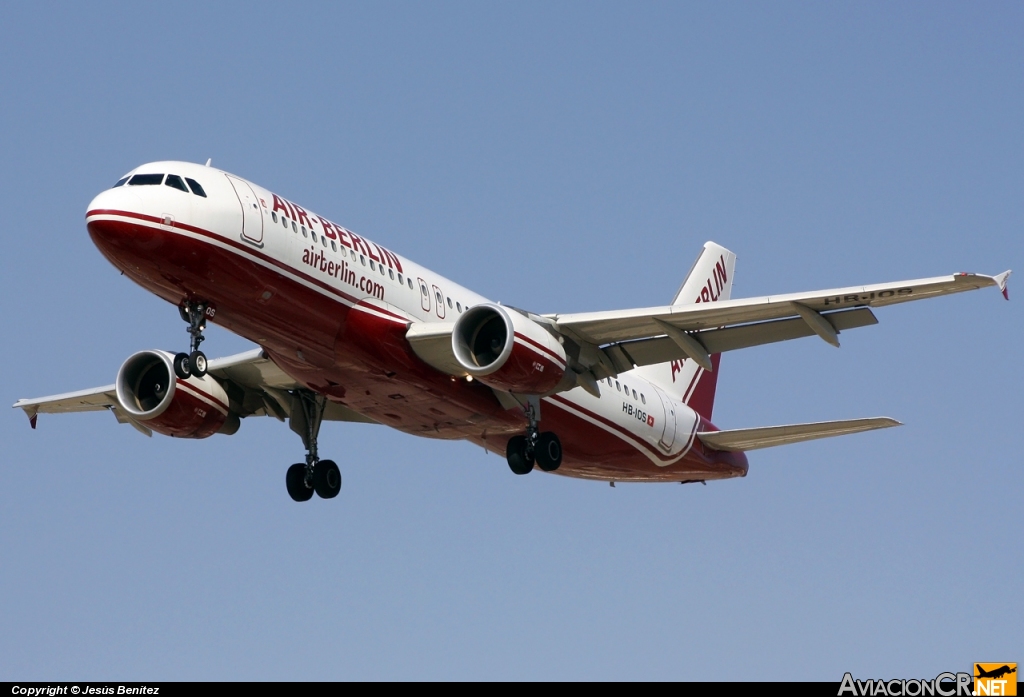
(331, 308)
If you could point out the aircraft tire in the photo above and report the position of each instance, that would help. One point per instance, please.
(197, 361)
(326, 479)
(182, 366)
(520, 459)
(549, 452)
(295, 480)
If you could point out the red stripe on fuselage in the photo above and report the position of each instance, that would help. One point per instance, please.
(245, 250)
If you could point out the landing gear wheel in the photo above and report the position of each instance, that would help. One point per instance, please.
(519, 455)
(295, 479)
(549, 452)
(182, 366)
(326, 479)
(197, 361)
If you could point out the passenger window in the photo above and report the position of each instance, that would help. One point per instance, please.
(634, 394)
(410, 284)
(617, 386)
(334, 247)
(196, 189)
(295, 229)
(642, 398)
(344, 252)
(120, 182)
(273, 216)
(372, 267)
(440, 300)
(146, 180)
(382, 269)
(458, 306)
(449, 303)
(174, 181)
(391, 274)
(362, 260)
(401, 281)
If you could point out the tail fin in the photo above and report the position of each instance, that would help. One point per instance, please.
(709, 280)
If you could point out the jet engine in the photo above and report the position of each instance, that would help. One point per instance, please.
(507, 350)
(151, 394)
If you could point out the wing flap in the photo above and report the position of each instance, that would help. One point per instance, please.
(662, 349)
(770, 436)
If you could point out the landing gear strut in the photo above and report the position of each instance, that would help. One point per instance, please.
(316, 475)
(193, 363)
(543, 448)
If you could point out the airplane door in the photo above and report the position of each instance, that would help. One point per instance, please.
(668, 436)
(252, 216)
(424, 295)
(439, 302)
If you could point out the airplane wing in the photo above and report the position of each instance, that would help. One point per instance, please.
(770, 436)
(607, 327)
(617, 341)
(253, 382)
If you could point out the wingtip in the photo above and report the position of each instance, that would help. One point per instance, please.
(1001, 280)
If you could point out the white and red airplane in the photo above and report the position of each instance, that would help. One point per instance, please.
(351, 331)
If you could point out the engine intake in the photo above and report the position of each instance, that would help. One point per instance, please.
(506, 350)
(150, 393)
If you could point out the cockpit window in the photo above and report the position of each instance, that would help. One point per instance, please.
(173, 180)
(120, 182)
(146, 180)
(196, 189)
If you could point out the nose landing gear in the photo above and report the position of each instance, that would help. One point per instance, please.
(544, 449)
(316, 475)
(193, 363)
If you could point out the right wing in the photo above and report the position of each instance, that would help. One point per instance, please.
(770, 436)
(253, 382)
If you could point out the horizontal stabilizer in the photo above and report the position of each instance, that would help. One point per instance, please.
(770, 436)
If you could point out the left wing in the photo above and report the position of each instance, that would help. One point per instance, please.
(607, 327)
(621, 340)
(614, 342)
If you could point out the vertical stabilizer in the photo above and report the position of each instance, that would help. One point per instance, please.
(709, 280)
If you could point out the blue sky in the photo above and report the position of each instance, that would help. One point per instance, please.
(558, 157)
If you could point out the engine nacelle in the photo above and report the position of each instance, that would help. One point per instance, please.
(506, 350)
(149, 391)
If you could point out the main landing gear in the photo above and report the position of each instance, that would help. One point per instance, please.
(316, 475)
(193, 363)
(544, 449)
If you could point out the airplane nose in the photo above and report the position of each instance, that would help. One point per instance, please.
(120, 199)
(110, 225)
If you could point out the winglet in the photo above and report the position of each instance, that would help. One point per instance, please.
(1001, 280)
(32, 419)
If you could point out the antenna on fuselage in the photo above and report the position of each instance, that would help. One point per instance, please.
(208, 161)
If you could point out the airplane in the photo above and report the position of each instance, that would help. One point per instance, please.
(995, 673)
(348, 330)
